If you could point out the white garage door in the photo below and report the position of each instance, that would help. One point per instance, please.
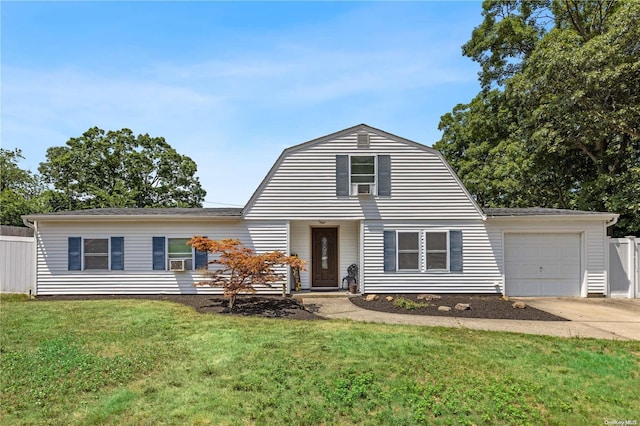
(542, 264)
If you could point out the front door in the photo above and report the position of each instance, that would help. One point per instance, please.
(324, 258)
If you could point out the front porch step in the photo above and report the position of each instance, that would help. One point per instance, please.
(306, 294)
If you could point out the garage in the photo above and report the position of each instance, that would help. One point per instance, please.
(542, 264)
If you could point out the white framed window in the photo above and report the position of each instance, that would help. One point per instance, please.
(362, 173)
(96, 253)
(408, 251)
(177, 249)
(437, 250)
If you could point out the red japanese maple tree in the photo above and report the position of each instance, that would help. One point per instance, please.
(241, 267)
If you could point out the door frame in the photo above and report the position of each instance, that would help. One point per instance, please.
(311, 278)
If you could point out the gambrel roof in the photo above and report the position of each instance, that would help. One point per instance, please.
(351, 130)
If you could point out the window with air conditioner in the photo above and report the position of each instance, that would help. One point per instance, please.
(177, 264)
(179, 254)
(363, 175)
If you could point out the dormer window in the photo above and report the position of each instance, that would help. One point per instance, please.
(363, 175)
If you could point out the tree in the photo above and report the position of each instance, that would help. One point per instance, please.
(508, 34)
(20, 190)
(119, 169)
(557, 123)
(242, 267)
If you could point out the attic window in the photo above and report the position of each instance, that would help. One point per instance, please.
(363, 140)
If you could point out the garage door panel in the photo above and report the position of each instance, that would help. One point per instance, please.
(569, 253)
(542, 264)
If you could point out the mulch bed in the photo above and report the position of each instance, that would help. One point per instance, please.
(263, 306)
(482, 306)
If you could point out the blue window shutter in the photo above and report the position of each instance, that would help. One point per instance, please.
(117, 253)
(455, 251)
(158, 254)
(202, 259)
(75, 253)
(384, 175)
(342, 175)
(389, 250)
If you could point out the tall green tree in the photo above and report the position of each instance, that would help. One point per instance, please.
(561, 89)
(20, 190)
(119, 169)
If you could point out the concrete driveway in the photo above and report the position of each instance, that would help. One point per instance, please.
(619, 317)
(616, 319)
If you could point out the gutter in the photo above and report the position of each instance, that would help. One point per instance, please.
(612, 221)
(27, 223)
(609, 218)
(158, 217)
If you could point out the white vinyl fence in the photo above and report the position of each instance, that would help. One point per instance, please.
(624, 267)
(17, 264)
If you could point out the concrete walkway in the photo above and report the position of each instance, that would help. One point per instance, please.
(605, 323)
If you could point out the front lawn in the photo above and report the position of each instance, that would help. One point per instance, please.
(154, 362)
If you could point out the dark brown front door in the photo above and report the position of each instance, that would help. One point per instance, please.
(324, 257)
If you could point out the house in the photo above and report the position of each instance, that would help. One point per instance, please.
(360, 196)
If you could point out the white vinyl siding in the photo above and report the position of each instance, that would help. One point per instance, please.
(593, 244)
(139, 277)
(303, 185)
(481, 272)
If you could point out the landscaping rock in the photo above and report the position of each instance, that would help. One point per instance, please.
(389, 298)
(428, 297)
(519, 305)
(462, 307)
(371, 297)
(444, 308)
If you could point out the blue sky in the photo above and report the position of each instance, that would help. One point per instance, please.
(230, 84)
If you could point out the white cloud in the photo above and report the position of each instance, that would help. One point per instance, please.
(234, 111)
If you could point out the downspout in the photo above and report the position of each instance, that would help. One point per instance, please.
(361, 259)
(34, 270)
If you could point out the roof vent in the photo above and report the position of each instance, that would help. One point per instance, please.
(363, 140)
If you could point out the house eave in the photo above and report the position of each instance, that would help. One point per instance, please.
(125, 218)
(608, 217)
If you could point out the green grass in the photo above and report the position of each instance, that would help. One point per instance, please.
(152, 362)
(13, 297)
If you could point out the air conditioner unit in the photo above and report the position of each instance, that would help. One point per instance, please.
(363, 189)
(176, 264)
